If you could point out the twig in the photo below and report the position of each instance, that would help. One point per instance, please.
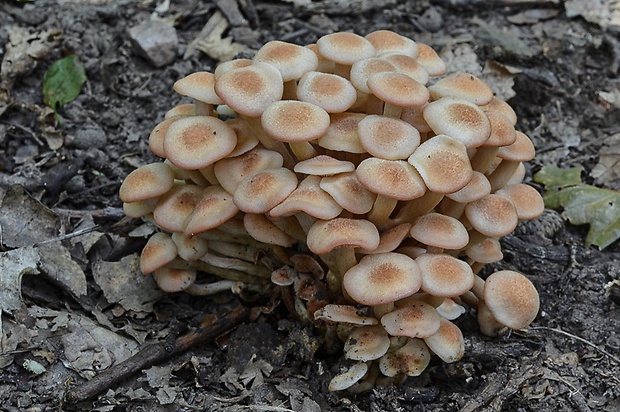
(69, 235)
(154, 354)
(580, 339)
(109, 213)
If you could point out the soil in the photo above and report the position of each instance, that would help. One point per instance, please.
(567, 360)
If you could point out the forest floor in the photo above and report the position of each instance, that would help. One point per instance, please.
(74, 306)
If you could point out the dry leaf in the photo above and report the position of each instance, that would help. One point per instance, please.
(605, 13)
(607, 171)
(13, 265)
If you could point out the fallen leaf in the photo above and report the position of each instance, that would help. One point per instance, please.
(57, 264)
(607, 170)
(605, 13)
(63, 82)
(13, 265)
(582, 203)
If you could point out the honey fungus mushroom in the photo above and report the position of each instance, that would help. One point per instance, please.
(360, 156)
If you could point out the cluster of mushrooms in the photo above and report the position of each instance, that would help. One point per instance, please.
(336, 174)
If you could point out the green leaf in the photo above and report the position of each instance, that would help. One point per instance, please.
(63, 81)
(582, 203)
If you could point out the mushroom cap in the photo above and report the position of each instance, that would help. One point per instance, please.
(460, 119)
(444, 275)
(199, 86)
(387, 138)
(341, 135)
(410, 359)
(386, 41)
(146, 182)
(362, 70)
(181, 110)
(229, 65)
(246, 138)
(232, 170)
(416, 320)
(447, 342)
(522, 150)
(326, 235)
(443, 163)
(344, 314)
(464, 86)
(414, 115)
(348, 378)
(382, 278)
(487, 251)
(395, 179)
(477, 188)
(503, 132)
(435, 229)
(290, 59)
(158, 134)
(249, 90)
(528, 202)
(174, 280)
(493, 215)
(407, 65)
(390, 239)
(498, 105)
(159, 250)
(176, 206)
(430, 60)
(190, 248)
(265, 231)
(293, 121)
(140, 208)
(511, 298)
(323, 165)
(215, 207)
(260, 192)
(331, 92)
(366, 343)
(398, 89)
(198, 141)
(344, 48)
(349, 192)
(308, 197)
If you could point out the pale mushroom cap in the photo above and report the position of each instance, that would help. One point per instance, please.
(444, 275)
(447, 343)
(199, 86)
(290, 59)
(411, 359)
(464, 86)
(260, 192)
(333, 93)
(249, 90)
(503, 132)
(140, 208)
(398, 89)
(348, 378)
(407, 65)
(265, 231)
(487, 251)
(158, 252)
(232, 170)
(146, 182)
(366, 343)
(497, 104)
(395, 179)
(344, 48)
(341, 135)
(477, 188)
(308, 197)
(246, 138)
(344, 314)
(349, 192)
(382, 278)
(326, 235)
(362, 70)
(294, 121)
(386, 41)
(174, 280)
(198, 141)
(387, 138)
(176, 206)
(190, 248)
(158, 134)
(390, 239)
(181, 110)
(459, 119)
(527, 200)
(522, 150)
(414, 115)
(430, 60)
(511, 298)
(215, 207)
(416, 320)
(435, 229)
(443, 163)
(323, 165)
(493, 215)
(227, 66)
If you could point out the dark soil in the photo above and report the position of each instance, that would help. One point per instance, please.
(567, 360)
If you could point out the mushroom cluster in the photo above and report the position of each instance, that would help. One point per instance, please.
(340, 174)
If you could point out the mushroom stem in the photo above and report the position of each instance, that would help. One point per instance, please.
(303, 150)
(255, 125)
(381, 211)
(203, 109)
(418, 207)
(502, 173)
(392, 110)
(483, 158)
(205, 289)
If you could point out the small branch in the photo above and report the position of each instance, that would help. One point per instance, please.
(580, 339)
(153, 354)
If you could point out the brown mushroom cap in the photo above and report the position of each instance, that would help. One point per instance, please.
(232, 170)
(326, 235)
(158, 252)
(199, 86)
(198, 141)
(174, 280)
(344, 48)
(464, 86)
(407, 65)
(265, 231)
(158, 134)
(395, 179)
(323, 165)
(487, 251)
(390, 239)
(410, 359)
(341, 135)
(460, 119)
(290, 59)
(249, 90)
(493, 215)
(294, 121)
(437, 230)
(387, 138)
(260, 192)
(308, 197)
(386, 41)
(398, 89)
(146, 182)
(362, 70)
(215, 207)
(349, 192)
(444, 275)
(366, 343)
(416, 320)
(527, 200)
(447, 342)
(428, 58)
(382, 278)
(498, 105)
(511, 298)
(344, 314)
(348, 378)
(176, 206)
(190, 248)
(333, 93)
(227, 66)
